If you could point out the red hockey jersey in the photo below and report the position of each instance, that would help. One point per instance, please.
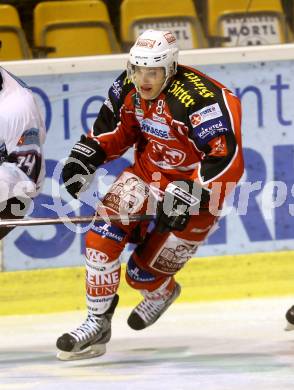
(192, 130)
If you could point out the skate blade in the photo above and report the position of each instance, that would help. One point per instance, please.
(91, 352)
(289, 326)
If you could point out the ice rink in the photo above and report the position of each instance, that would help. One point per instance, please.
(230, 345)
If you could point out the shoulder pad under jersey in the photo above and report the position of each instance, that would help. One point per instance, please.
(120, 88)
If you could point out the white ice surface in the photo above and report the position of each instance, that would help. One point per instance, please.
(231, 345)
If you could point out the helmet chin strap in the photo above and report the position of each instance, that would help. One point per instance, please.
(167, 78)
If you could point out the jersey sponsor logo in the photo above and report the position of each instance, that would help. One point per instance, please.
(214, 128)
(127, 194)
(96, 256)
(104, 284)
(108, 231)
(127, 81)
(102, 279)
(108, 104)
(137, 273)
(195, 119)
(158, 118)
(218, 147)
(154, 128)
(137, 99)
(139, 113)
(205, 114)
(116, 89)
(99, 300)
(177, 89)
(147, 43)
(100, 291)
(164, 156)
(29, 137)
(173, 256)
(198, 84)
(99, 268)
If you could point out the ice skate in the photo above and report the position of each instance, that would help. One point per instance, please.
(290, 319)
(88, 340)
(149, 310)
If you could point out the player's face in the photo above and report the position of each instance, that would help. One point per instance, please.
(148, 81)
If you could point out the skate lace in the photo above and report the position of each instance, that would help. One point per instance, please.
(88, 329)
(149, 309)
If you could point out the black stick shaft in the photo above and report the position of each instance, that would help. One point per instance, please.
(74, 220)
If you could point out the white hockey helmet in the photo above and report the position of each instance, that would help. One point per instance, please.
(154, 48)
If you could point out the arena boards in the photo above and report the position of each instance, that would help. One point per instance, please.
(203, 279)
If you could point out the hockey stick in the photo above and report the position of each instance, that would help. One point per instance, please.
(74, 220)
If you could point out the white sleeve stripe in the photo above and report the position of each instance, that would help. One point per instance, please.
(229, 111)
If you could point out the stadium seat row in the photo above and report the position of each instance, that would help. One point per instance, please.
(83, 27)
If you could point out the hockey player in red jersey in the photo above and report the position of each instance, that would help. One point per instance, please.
(185, 129)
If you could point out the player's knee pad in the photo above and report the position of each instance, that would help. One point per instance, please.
(127, 195)
(102, 280)
(145, 281)
(137, 277)
(166, 257)
(107, 238)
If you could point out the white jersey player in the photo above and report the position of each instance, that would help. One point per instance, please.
(22, 134)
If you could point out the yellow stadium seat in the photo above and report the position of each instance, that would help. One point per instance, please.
(243, 22)
(14, 43)
(73, 28)
(180, 17)
(288, 7)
